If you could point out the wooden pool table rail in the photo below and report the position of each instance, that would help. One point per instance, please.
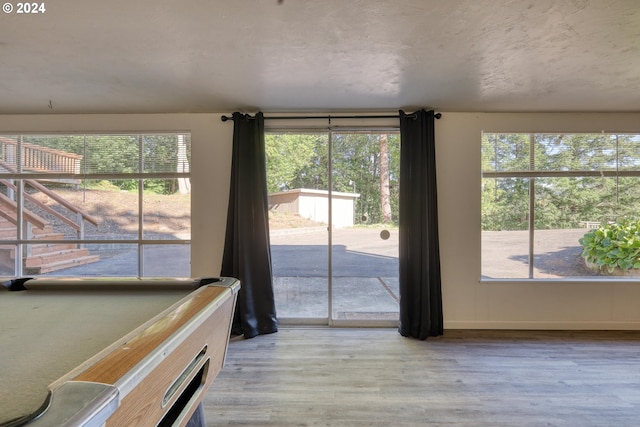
(160, 369)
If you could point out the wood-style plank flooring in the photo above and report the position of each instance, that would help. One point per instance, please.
(375, 377)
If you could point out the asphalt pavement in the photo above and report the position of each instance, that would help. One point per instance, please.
(364, 280)
(364, 265)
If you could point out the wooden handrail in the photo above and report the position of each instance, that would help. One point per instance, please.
(43, 206)
(28, 215)
(35, 184)
(54, 196)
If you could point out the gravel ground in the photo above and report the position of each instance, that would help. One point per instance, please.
(116, 212)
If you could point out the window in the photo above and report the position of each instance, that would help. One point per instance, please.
(542, 193)
(95, 205)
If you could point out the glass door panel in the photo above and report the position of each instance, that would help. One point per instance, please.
(365, 173)
(297, 180)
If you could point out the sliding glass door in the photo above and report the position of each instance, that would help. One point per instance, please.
(333, 200)
(364, 240)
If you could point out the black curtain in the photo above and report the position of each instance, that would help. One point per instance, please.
(419, 253)
(247, 252)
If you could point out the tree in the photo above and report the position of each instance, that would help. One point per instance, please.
(116, 154)
(302, 161)
(385, 201)
(295, 161)
(570, 193)
(184, 184)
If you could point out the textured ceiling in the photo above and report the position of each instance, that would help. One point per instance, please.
(123, 56)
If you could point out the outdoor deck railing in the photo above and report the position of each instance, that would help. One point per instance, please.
(37, 158)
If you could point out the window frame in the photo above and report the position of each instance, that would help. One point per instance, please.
(140, 241)
(531, 175)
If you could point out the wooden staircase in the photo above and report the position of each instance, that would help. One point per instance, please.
(45, 257)
(48, 256)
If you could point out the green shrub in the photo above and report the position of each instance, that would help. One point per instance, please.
(613, 245)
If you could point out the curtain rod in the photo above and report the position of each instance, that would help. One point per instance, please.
(329, 117)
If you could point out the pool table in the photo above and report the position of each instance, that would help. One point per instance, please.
(110, 351)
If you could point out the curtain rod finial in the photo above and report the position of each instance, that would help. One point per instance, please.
(437, 115)
(226, 118)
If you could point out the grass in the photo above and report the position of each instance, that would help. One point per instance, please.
(281, 220)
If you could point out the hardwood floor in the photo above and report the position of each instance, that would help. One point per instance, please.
(375, 377)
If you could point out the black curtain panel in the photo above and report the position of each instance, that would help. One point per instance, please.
(247, 252)
(419, 253)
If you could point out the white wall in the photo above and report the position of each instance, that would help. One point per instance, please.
(210, 168)
(546, 305)
(467, 302)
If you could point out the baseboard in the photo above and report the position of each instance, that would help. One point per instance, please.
(542, 325)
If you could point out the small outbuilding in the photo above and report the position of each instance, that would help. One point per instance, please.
(314, 205)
